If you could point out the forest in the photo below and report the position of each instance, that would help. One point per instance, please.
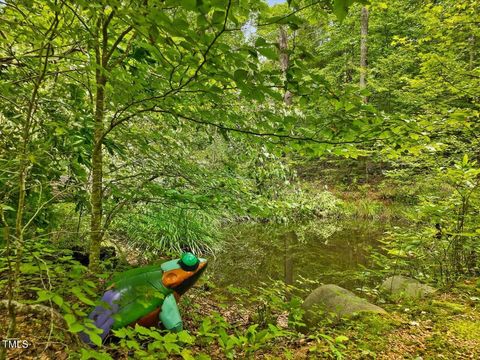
(239, 179)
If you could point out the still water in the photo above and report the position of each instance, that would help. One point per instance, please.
(327, 252)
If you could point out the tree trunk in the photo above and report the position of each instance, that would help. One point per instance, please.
(102, 56)
(471, 63)
(283, 45)
(96, 196)
(290, 238)
(363, 50)
(14, 272)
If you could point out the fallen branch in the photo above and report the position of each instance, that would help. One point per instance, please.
(37, 309)
(43, 311)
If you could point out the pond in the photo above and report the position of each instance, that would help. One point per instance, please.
(327, 252)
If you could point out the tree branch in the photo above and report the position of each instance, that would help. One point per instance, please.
(154, 109)
(116, 43)
(173, 91)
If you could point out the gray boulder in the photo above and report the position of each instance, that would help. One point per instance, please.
(334, 299)
(404, 287)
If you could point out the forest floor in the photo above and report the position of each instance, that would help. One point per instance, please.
(444, 326)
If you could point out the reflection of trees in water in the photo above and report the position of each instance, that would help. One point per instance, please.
(289, 239)
(251, 254)
(254, 253)
(318, 230)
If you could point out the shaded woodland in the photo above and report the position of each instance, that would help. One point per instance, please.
(291, 144)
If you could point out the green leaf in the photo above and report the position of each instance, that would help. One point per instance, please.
(218, 17)
(6, 207)
(69, 319)
(57, 299)
(142, 330)
(260, 41)
(341, 339)
(340, 8)
(172, 347)
(120, 333)
(76, 327)
(94, 337)
(189, 4)
(29, 269)
(269, 52)
(187, 354)
(44, 295)
(81, 296)
(185, 337)
(87, 354)
(240, 75)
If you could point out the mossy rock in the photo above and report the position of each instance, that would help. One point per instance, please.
(399, 286)
(339, 301)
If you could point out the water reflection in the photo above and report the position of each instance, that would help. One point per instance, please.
(329, 252)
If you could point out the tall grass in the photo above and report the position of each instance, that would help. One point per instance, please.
(167, 229)
(372, 209)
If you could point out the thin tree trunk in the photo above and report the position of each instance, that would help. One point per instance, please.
(283, 45)
(290, 239)
(363, 50)
(96, 196)
(102, 56)
(14, 272)
(287, 98)
(96, 193)
(346, 75)
(471, 63)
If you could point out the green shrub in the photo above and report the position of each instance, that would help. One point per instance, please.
(166, 229)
